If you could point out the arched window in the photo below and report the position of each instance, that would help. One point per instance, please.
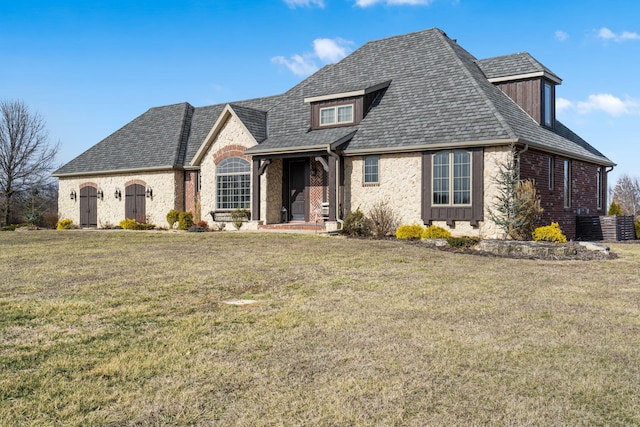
(233, 184)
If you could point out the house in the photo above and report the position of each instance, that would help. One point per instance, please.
(412, 120)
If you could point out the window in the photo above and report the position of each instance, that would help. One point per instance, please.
(452, 178)
(371, 169)
(336, 115)
(233, 184)
(551, 181)
(599, 187)
(567, 184)
(548, 104)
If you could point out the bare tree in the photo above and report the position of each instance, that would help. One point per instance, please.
(26, 156)
(626, 193)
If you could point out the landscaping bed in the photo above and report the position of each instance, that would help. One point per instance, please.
(584, 251)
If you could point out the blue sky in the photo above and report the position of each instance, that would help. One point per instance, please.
(90, 67)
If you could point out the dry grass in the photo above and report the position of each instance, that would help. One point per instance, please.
(130, 328)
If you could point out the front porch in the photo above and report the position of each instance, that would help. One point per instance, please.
(296, 193)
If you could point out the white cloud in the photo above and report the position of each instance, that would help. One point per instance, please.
(298, 64)
(331, 50)
(304, 3)
(607, 35)
(326, 51)
(367, 3)
(601, 102)
(561, 35)
(563, 104)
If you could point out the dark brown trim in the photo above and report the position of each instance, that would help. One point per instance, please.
(332, 189)
(450, 214)
(255, 189)
(358, 110)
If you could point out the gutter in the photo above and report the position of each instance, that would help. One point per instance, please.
(116, 171)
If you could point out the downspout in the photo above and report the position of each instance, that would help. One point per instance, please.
(606, 190)
(337, 195)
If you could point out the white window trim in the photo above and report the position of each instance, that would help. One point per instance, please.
(220, 202)
(451, 180)
(335, 114)
(364, 168)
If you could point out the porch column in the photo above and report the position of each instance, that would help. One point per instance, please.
(255, 190)
(332, 189)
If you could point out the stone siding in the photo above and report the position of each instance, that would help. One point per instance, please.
(167, 195)
(231, 141)
(400, 185)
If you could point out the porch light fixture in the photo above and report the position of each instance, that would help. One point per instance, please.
(149, 193)
(100, 194)
(73, 195)
(117, 194)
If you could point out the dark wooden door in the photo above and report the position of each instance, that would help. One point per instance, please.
(88, 207)
(134, 204)
(297, 190)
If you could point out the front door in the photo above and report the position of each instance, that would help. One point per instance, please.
(134, 203)
(297, 190)
(88, 207)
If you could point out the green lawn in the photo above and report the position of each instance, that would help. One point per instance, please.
(131, 328)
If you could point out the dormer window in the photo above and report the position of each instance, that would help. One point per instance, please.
(337, 115)
(344, 108)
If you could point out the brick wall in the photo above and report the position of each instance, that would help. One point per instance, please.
(584, 192)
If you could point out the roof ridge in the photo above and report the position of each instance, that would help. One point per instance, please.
(505, 125)
(184, 135)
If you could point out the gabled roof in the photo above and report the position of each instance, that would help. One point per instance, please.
(516, 66)
(163, 138)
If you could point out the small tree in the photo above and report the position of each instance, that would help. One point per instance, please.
(626, 194)
(614, 209)
(517, 207)
(26, 156)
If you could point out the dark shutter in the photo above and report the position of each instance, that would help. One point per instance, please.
(473, 213)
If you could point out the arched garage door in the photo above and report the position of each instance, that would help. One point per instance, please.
(134, 203)
(88, 207)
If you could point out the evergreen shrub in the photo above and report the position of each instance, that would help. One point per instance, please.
(185, 220)
(64, 224)
(357, 224)
(132, 224)
(409, 232)
(614, 209)
(172, 217)
(435, 232)
(549, 233)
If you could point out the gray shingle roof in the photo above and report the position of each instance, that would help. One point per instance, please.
(439, 94)
(152, 140)
(513, 65)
